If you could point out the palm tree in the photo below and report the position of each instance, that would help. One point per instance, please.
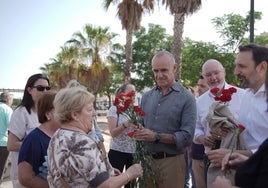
(64, 67)
(130, 14)
(56, 72)
(180, 8)
(60, 73)
(93, 45)
(70, 59)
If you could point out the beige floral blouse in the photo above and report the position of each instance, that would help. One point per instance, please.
(78, 159)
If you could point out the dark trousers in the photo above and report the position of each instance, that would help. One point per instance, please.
(3, 158)
(120, 160)
(206, 166)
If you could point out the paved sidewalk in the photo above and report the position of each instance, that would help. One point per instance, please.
(102, 122)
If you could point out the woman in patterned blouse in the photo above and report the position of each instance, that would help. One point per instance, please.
(74, 159)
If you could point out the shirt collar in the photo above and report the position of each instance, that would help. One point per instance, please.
(260, 91)
(175, 87)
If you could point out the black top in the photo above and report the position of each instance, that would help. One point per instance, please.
(254, 172)
(198, 151)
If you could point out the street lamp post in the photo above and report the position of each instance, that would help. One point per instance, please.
(251, 29)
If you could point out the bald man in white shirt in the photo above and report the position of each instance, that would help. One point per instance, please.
(214, 73)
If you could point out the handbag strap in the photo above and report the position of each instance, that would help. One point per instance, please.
(58, 174)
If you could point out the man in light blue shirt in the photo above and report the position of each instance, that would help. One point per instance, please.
(6, 100)
(168, 124)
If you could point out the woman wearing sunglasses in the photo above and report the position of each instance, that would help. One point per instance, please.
(33, 152)
(24, 119)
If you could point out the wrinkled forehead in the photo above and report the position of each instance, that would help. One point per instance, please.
(244, 58)
(162, 64)
(210, 66)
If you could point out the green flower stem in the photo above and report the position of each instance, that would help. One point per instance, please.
(141, 156)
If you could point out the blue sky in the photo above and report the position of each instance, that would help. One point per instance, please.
(33, 31)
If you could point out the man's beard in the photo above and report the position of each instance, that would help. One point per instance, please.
(244, 83)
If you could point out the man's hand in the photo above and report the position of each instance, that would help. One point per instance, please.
(206, 141)
(220, 132)
(232, 160)
(143, 134)
(216, 156)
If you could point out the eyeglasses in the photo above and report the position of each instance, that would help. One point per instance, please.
(42, 88)
(216, 73)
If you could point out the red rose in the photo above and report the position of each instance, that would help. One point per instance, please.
(217, 98)
(241, 127)
(215, 90)
(232, 90)
(128, 102)
(226, 92)
(131, 94)
(131, 134)
(116, 101)
(136, 108)
(141, 113)
(225, 98)
(225, 95)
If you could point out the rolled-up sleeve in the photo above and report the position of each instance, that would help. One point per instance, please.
(199, 129)
(184, 137)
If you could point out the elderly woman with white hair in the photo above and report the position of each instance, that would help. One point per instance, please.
(74, 159)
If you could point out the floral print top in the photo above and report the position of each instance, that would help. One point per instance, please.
(123, 142)
(78, 159)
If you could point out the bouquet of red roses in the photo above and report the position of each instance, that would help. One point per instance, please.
(220, 116)
(221, 120)
(225, 95)
(125, 105)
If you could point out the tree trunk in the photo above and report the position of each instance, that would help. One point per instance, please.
(177, 41)
(128, 62)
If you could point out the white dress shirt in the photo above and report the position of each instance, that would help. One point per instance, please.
(203, 104)
(254, 116)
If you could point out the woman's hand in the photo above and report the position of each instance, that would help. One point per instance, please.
(128, 123)
(216, 156)
(135, 171)
(221, 182)
(232, 160)
(206, 141)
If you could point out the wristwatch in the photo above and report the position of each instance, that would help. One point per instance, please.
(157, 137)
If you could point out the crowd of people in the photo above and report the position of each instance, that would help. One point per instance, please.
(53, 138)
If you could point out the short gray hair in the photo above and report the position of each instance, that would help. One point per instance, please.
(5, 96)
(212, 61)
(164, 53)
(71, 99)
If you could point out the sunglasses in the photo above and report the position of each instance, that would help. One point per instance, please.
(42, 88)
